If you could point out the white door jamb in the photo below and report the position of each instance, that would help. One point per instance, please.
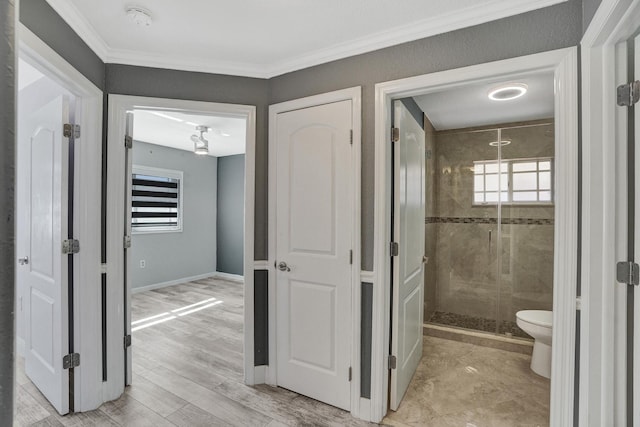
(563, 63)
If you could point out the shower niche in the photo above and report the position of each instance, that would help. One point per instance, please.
(489, 225)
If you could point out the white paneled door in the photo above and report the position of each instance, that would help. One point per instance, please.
(43, 269)
(314, 217)
(408, 232)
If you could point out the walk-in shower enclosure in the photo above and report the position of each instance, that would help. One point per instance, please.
(489, 224)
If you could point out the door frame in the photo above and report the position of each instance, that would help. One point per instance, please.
(563, 63)
(603, 356)
(118, 107)
(86, 275)
(355, 95)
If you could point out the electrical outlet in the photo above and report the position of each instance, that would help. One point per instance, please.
(143, 263)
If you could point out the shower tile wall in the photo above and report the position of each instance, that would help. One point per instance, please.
(461, 239)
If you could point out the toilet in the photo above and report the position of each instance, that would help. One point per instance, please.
(537, 323)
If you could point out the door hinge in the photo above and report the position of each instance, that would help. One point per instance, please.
(628, 272)
(391, 364)
(350, 256)
(351, 137)
(127, 242)
(71, 361)
(70, 246)
(394, 248)
(350, 373)
(128, 141)
(127, 341)
(395, 134)
(628, 93)
(70, 130)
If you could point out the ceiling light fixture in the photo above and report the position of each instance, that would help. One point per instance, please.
(508, 92)
(501, 143)
(166, 116)
(200, 144)
(139, 16)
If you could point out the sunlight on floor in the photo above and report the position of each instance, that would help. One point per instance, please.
(174, 314)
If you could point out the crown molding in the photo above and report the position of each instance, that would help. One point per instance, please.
(78, 23)
(473, 15)
(200, 65)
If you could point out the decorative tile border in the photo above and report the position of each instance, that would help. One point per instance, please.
(472, 220)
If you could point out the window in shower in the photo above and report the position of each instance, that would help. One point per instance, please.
(514, 181)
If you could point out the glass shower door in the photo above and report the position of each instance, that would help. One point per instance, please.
(525, 279)
(469, 185)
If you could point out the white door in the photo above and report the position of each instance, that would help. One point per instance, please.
(314, 234)
(408, 232)
(43, 269)
(635, 340)
(128, 160)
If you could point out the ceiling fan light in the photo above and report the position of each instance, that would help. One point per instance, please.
(202, 150)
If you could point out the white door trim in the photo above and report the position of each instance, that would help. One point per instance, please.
(118, 106)
(87, 212)
(355, 95)
(602, 320)
(563, 63)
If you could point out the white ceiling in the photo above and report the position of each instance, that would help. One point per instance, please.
(261, 38)
(226, 137)
(470, 106)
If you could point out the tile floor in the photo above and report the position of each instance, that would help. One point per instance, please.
(188, 372)
(465, 385)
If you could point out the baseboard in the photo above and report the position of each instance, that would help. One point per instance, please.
(173, 282)
(230, 277)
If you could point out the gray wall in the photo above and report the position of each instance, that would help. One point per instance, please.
(7, 187)
(155, 82)
(40, 18)
(550, 28)
(230, 231)
(192, 252)
(589, 8)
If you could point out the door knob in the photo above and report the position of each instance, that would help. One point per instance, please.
(23, 261)
(282, 266)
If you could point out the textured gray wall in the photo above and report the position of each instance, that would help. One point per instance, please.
(230, 231)
(546, 29)
(40, 18)
(589, 8)
(173, 256)
(7, 186)
(155, 82)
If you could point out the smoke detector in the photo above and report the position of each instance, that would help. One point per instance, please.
(139, 16)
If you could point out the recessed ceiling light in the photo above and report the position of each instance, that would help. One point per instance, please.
(508, 92)
(501, 143)
(166, 116)
(139, 16)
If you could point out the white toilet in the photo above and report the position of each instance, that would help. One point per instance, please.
(537, 323)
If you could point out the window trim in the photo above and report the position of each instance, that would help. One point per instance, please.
(509, 189)
(161, 172)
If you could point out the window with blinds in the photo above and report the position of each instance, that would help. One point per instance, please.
(156, 200)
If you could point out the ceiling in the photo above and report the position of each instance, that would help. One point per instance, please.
(172, 129)
(260, 38)
(469, 105)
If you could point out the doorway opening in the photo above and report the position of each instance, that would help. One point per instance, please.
(57, 185)
(185, 265)
(499, 195)
(182, 196)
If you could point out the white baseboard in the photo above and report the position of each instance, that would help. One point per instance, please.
(261, 265)
(172, 282)
(229, 276)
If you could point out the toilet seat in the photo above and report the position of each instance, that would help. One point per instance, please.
(542, 318)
